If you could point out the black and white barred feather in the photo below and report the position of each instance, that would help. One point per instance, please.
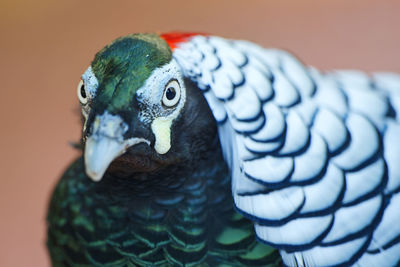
(315, 157)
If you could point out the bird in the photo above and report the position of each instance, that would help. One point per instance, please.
(199, 150)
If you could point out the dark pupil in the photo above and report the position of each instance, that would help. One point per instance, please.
(83, 92)
(170, 93)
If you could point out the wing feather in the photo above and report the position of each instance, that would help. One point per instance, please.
(314, 156)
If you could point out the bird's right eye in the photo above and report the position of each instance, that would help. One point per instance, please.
(82, 93)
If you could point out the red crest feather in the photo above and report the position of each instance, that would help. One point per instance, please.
(174, 38)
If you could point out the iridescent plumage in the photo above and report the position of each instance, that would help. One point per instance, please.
(312, 159)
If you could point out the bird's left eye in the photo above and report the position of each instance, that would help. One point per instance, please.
(82, 93)
(172, 94)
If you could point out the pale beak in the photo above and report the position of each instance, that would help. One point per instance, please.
(105, 144)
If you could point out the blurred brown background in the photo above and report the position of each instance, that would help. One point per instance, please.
(46, 45)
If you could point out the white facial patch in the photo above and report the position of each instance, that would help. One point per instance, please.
(91, 83)
(154, 112)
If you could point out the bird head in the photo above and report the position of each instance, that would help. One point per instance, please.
(139, 112)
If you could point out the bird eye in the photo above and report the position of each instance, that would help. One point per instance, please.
(172, 94)
(82, 93)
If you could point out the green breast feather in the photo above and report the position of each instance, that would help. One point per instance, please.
(93, 225)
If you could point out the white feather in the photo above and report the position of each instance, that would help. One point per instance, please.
(330, 96)
(391, 142)
(325, 256)
(331, 128)
(258, 81)
(246, 126)
(368, 102)
(285, 94)
(388, 82)
(352, 79)
(307, 110)
(239, 107)
(389, 227)
(363, 181)
(296, 232)
(269, 169)
(323, 194)
(297, 134)
(274, 125)
(311, 163)
(273, 206)
(350, 220)
(223, 81)
(364, 143)
(297, 74)
(227, 51)
(262, 146)
(387, 257)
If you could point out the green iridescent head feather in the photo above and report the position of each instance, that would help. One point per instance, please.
(123, 66)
